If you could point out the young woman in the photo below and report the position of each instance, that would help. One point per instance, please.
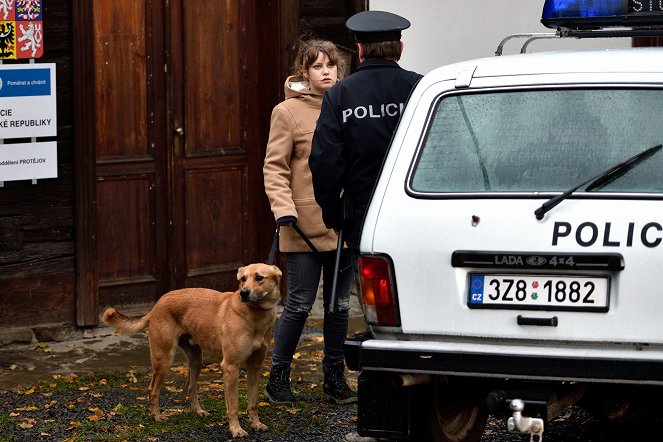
(290, 191)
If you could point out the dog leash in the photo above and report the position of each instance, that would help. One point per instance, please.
(306, 240)
(275, 243)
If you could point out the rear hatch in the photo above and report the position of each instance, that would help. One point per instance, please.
(455, 211)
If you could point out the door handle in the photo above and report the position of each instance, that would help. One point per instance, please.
(179, 133)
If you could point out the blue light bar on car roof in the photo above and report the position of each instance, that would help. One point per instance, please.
(595, 14)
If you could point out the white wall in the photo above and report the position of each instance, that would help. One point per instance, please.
(447, 31)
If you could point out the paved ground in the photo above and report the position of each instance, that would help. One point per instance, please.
(25, 364)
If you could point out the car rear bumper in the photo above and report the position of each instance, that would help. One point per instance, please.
(500, 361)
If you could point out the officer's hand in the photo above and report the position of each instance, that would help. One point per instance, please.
(286, 221)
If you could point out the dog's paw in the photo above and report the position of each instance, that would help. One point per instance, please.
(202, 413)
(259, 426)
(238, 431)
(160, 417)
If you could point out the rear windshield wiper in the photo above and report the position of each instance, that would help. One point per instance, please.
(600, 180)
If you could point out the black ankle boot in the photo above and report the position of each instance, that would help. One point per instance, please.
(278, 389)
(335, 388)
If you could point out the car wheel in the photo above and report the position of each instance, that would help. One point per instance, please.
(457, 418)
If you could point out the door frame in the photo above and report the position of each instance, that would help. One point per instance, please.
(87, 283)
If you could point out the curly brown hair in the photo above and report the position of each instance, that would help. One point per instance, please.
(308, 53)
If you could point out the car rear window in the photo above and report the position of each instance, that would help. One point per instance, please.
(540, 141)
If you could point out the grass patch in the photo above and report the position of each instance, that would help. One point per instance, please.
(115, 407)
(7, 423)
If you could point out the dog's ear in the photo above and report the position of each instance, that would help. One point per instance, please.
(277, 271)
(240, 273)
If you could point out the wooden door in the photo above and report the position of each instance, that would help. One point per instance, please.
(173, 197)
(210, 207)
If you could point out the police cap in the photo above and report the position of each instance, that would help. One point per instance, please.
(371, 26)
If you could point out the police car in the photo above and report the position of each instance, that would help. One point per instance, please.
(512, 254)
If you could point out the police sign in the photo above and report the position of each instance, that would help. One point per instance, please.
(25, 161)
(28, 109)
(27, 101)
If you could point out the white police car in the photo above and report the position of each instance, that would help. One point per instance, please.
(512, 252)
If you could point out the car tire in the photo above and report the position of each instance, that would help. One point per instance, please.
(458, 416)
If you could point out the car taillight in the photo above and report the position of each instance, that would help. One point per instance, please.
(377, 291)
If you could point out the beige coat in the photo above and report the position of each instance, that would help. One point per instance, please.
(287, 176)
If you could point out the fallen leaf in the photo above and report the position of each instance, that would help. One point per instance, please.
(181, 369)
(45, 348)
(97, 415)
(28, 423)
(69, 378)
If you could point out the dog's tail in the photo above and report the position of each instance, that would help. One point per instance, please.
(125, 324)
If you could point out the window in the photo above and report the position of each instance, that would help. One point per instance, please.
(540, 140)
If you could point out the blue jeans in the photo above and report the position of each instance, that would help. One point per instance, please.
(303, 279)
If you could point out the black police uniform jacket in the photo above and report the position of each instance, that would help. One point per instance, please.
(356, 123)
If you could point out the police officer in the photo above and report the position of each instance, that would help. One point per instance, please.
(358, 118)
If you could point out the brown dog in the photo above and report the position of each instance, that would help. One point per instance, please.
(237, 325)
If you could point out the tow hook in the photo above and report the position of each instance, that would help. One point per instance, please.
(520, 424)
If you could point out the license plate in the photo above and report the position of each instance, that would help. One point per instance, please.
(539, 292)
